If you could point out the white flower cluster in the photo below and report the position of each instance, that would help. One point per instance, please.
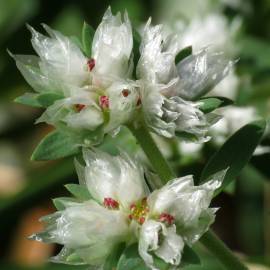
(97, 95)
(122, 209)
(94, 95)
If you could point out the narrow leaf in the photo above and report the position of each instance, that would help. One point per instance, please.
(187, 51)
(235, 153)
(47, 99)
(61, 203)
(130, 260)
(136, 46)
(80, 192)
(113, 258)
(55, 145)
(29, 99)
(87, 38)
(212, 103)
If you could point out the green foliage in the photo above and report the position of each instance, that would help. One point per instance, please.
(187, 51)
(210, 104)
(130, 259)
(60, 203)
(48, 98)
(113, 258)
(29, 99)
(42, 100)
(55, 145)
(78, 191)
(136, 46)
(235, 153)
(87, 38)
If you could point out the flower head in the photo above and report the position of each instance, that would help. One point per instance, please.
(167, 89)
(90, 99)
(94, 95)
(122, 209)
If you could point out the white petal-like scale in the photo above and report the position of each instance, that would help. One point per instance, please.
(87, 227)
(149, 240)
(88, 118)
(200, 72)
(158, 50)
(119, 178)
(29, 67)
(61, 59)
(152, 103)
(112, 46)
(163, 241)
(170, 249)
(188, 204)
(123, 97)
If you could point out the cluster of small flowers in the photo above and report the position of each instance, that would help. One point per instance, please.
(97, 94)
(123, 209)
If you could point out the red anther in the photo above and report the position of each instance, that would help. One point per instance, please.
(139, 102)
(79, 107)
(110, 203)
(130, 216)
(144, 200)
(141, 220)
(104, 102)
(166, 218)
(132, 206)
(91, 64)
(125, 92)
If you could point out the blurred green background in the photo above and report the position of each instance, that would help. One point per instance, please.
(26, 188)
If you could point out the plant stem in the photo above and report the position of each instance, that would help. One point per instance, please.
(158, 162)
(211, 241)
(164, 171)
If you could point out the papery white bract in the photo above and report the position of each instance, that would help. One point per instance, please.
(96, 95)
(165, 87)
(123, 210)
(112, 47)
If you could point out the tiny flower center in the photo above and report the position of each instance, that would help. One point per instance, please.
(79, 107)
(110, 203)
(91, 64)
(166, 218)
(139, 211)
(125, 92)
(104, 102)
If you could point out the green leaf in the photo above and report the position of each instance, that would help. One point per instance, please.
(209, 104)
(189, 256)
(60, 203)
(112, 260)
(187, 51)
(42, 100)
(47, 99)
(235, 153)
(29, 99)
(87, 38)
(131, 260)
(80, 192)
(55, 145)
(136, 46)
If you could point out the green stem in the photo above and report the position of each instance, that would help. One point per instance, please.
(221, 251)
(164, 171)
(158, 162)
